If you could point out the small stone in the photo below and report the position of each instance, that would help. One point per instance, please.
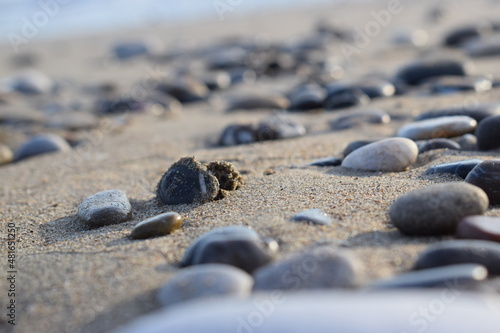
(344, 97)
(237, 135)
(437, 209)
(456, 252)
(327, 267)
(253, 102)
(314, 216)
(186, 89)
(478, 112)
(432, 144)
(458, 84)
(388, 155)
(6, 155)
(128, 50)
(486, 175)
(277, 127)
(479, 227)
(467, 142)
(41, 144)
(202, 281)
(349, 119)
(32, 82)
(375, 87)
(355, 145)
(326, 162)
(307, 97)
(234, 245)
(443, 127)
(484, 47)
(120, 105)
(459, 168)
(462, 276)
(415, 38)
(156, 226)
(418, 72)
(105, 208)
(462, 34)
(487, 133)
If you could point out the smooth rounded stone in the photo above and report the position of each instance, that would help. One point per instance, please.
(205, 281)
(279, 126)
(459, 168)
(253, 102)
(41, 144)
(375, 87)
(314, 216)
(467, 142)
(318, 267)
(437, 209)
(326, 162)
(186, 89)
(32, 82)
(484, 47)
(388, 155)
(217, 80)
(486, 175)
(234, 135)
(432, 311)
(417, 72)
(454, 276)
(227, 58)
(458, 84)
(487, 133)
(459, 35)
(478, 112)
(130, 50)
(307, 97)
(234, 245)
(6, 155)
(354, 145)
(105, 208)
(349, 119)
(443, 127)
(120, 105)
(343, 97)
(479, 227)
(456, 252)
(156, 226)
(432, 144)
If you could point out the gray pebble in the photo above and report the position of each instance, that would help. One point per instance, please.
(314, 216)
(105, 208)
(307, 97)
(417, 72)
(432, 144)
(459, 168)
(443, 127)
(486, 175)
(158, 225)
(32, 82)
(348, 119)
(42, 144)
(253, 102)
(478, 112)
(352, 146)
(484, 47)
(479, 227)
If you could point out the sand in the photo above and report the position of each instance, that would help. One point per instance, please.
(70, 279)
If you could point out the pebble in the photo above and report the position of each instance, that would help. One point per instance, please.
(467, 142)
(32, 82)
(130, 50)
(41, 144)
(307, 97)
(487, 133)
(202, 281)
(458, 84)
(253, 102)
(418, 72)
(460, 35)
(350, 119)
(234, 245)
(478, 112)
(156, 226)
(186, 89)
(352, 146)
(316, 268)
(484, 47)
(343, 97)
(279, 126)
(218, 80)
(479, 227)
(376, 87)
(437, 209)
(326, 162)
(388, 155)
(328, 311)
(105, 208)
(459, 168)
(459, 276)
(120, 105)
(314, 216)
(432, 144)
(456, 252)
(6, 155)
(234, 135)
(486, 175)
(443, 127)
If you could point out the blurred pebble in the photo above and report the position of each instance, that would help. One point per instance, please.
(461, 34)
(307, 97)
(344, 96)
(458, 84)
(105, 208)
(32, 82)
(352, 146)
(417, 72)
(432, 144)
(479, 227)
(349, 119)
(478, 112)
(443, 127)
(6, 155)
(279, 126)
(42, 144)
(487, 133)
(486, 175)
(484, 47)
(314, 216)
(459, 168)
(252, 102)
(467, 142)
(185, 88)
(326, 162)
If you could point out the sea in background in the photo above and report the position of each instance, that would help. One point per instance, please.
(77, 17)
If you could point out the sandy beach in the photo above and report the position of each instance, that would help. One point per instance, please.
(72, 279)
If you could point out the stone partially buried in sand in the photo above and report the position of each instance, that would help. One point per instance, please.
(388, 155)
(156, 226)
(42, 144)
(486, 175)
(204, 281)
(443, 127)
(479, 227)
(437, 209)
(105, 208)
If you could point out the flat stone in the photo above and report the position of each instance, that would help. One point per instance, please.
(253, 102)
(316, 268)
(32, 82)
(486, 175)
(478, 112)
(314, 216)
(307, 97)
(234, 245)
(456, 252)
(330, 311)
(348, 119)
(105, 208)
(487, 133)
(417, 72)
(437, 209)
(459, 168)
(6, 155)
(185, 88)
(156, 226)
(279, 126)
(456, 276)
(205, 281)
(484, 47)
(479, 227)
(461, 34)
(389, 155)
(375, 87)
(326, 162)
(443, 127)
(41, 144)
(458, 84)
(345, 96)
(432, 144)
